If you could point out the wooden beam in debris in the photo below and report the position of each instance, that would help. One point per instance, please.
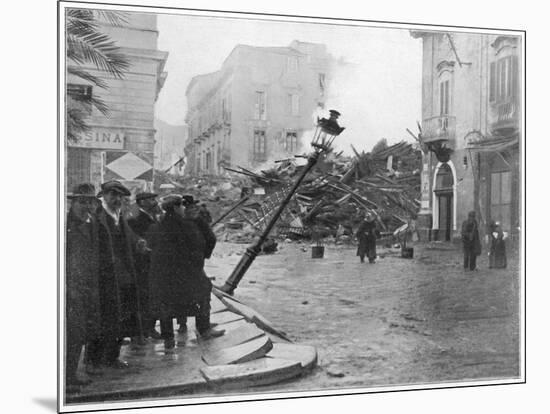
(343, 187)
(355, 151)
(412, 135)
(240, 172)
(230, 210)
(261, 177)
(240, 213)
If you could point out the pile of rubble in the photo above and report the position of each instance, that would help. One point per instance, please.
(328, 205)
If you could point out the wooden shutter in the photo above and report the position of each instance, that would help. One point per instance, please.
(492, 82)
(441, 99)
(514, 68)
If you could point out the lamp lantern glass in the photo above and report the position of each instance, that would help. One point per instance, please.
(326, 131)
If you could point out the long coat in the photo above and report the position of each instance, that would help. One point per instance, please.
(82, 279)
(179, 247)
(367, 234)
(140, 224)
(470, 237)
(111, 279)
(497, 254)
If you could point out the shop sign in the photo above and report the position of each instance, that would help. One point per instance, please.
(100, 138)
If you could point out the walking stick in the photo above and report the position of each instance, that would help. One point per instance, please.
(139, 316)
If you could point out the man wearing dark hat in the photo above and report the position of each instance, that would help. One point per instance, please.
(120, 313)
(470, 241)
(82, 285)
(180, 287)
(367, 233)
(147, 216)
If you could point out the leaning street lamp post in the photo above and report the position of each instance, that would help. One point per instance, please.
(325, 133)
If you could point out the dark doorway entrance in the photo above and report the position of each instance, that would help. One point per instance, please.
(445, 215)
(444, 193)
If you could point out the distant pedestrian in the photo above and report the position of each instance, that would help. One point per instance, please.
(497, 253)
(82, 284)
(470, 241)
(367, 233)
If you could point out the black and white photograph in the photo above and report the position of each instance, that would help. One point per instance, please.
(277, 205)
(255, 205)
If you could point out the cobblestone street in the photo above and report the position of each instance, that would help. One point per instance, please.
(398, 321)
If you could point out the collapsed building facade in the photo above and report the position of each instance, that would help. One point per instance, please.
(256, 107)
(329, 204)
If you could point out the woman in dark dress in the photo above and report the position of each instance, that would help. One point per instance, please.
(497, 254)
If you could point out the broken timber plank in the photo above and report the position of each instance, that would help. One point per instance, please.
(224, 317)
(240, 335)
(253, 316)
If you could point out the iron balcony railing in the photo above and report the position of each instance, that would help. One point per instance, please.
(506, 115)
(439, 128)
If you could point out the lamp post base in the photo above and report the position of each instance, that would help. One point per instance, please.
(227, 289)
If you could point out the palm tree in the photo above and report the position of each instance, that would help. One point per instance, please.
(87, 45)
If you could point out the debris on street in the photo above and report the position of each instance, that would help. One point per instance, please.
(329, 204)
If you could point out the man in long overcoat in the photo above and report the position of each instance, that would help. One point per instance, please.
(82, 285)
(179, 286)
(470, 241)
(120, 315)
(367, 234)
(146, 217)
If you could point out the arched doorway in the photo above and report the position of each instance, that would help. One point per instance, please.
(444, 202)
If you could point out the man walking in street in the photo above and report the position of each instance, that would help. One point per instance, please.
(120, 313)
(470, 241)
(146, 217)
(82, 285)
(367, 234)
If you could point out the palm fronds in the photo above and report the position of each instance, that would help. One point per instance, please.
(86, 45)
(82, 74)
(116, 18)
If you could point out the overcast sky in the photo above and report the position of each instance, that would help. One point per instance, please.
(379, 95)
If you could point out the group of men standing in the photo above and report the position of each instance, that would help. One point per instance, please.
(124, 275)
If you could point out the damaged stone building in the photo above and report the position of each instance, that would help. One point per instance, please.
(471, 131)
(120, 146)
(256, 107)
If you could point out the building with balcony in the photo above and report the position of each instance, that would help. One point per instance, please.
(471, 131)
(169, 147)
(256, 107)
(121, 145)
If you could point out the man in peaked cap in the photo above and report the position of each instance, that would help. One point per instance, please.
(140, 224)
(120, 310)
(81, 284)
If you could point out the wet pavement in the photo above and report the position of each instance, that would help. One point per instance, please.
(398, 321)
(151, 368)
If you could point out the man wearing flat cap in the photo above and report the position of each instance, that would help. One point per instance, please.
(81, 284)
(146, 217)
(120, 311)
